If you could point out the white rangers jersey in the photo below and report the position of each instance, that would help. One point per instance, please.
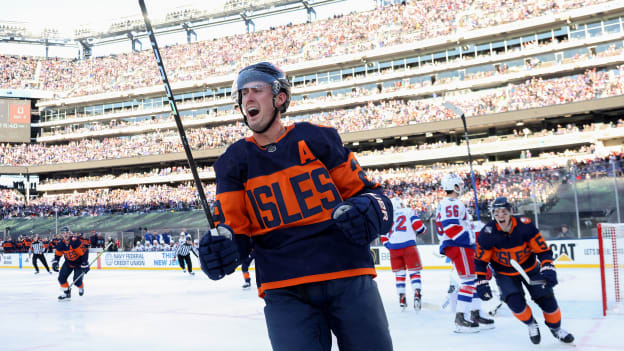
(453, 225)
(405, 227)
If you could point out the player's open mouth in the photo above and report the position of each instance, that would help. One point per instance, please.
(252, 111)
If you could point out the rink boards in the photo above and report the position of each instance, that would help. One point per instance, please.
(567, 253)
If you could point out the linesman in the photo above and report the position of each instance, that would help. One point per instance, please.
(184, 254)
(37, 248)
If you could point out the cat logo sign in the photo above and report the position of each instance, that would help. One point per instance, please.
(19, 114)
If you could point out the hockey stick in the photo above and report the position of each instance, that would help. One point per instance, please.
(461, 114)
(176, 116)
(520, 270)
(95, 259)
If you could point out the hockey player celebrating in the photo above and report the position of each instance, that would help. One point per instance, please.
(457, 242)
(72, 249)
(513, 237)
(404, 255)
(312, 213)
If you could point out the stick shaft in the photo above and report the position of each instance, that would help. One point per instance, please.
(474, 185)
(524, 275)
(92, 261)
(176, 115)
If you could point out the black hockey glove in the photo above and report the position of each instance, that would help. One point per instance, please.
(549, 274)
(363, 218)
(55, 265)
(483, 288)
(218, 257)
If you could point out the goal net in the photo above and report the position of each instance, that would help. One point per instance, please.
(611, 247)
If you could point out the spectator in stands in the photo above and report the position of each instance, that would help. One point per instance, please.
(564, 233)
(165, 238)
(113, 244)
(100, 240)
(93, 239)
(149, 237)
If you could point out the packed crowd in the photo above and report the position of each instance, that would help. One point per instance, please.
(440, 145)
(167, 121)
(353, 33)
(97, 202)
(418, 186)
(531, 94)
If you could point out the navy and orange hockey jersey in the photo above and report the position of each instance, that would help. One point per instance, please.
(282, 195)
(524, 243)
(73, 251)
(85, 245)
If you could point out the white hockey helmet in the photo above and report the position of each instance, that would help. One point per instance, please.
(450, 181)
(397, 203)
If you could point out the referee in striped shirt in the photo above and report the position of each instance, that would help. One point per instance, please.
(37, 249)
(184, 254)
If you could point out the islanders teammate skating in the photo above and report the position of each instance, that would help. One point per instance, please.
(510, 237)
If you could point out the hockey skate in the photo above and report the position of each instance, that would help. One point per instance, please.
(191, 273)
(36, 272)
(50, 272)
(464, 326)
(417, 303)
(402, 301)
(80, 291)
(534, 333)
(184, 271)
(65, 295)
(562, 335)
(484, 323)
(247, 285)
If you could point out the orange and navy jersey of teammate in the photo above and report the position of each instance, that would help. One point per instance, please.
(282, 196)
(85, 244)
(72, 250)
(8, 246)
(27, 243)
(524, 243)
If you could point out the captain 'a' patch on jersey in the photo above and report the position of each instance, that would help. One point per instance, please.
(264, 190)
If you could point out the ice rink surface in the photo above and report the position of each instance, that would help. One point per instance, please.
(169, 310)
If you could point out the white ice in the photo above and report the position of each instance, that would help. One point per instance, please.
(169, 310)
